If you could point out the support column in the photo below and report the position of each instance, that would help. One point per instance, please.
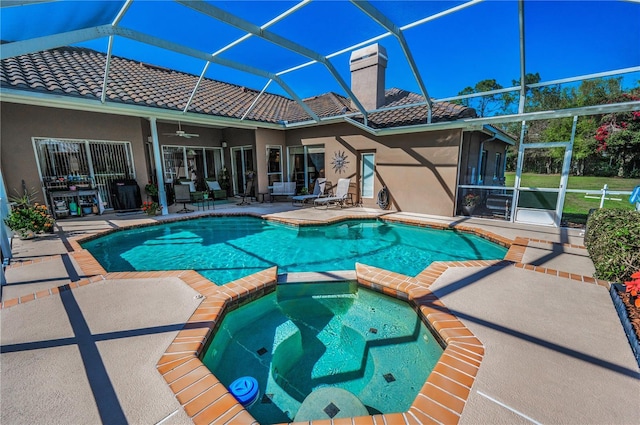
(157, 159)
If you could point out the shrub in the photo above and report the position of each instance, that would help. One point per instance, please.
(613, 240)
(34, 218)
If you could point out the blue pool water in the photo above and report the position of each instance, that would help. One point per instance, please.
(227, 248)
(309, 336)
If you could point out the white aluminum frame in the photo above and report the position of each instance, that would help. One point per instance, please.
(113, 30)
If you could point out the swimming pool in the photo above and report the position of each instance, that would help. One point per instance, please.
(305, 337)
(227, 248)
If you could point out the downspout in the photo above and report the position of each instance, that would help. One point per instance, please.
(5, 210)
(455, 199)
(5, 244)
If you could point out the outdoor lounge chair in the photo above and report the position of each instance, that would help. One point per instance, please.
(318, 190)
(183, 194)
(340, 198)
(215, 190)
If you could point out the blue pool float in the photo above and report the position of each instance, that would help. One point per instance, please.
(245, 390)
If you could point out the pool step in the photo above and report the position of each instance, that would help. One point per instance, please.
(333, 276)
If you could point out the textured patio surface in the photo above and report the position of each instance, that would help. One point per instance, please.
(555, 350)
(89, 356)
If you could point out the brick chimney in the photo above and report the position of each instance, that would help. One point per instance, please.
(368, 67)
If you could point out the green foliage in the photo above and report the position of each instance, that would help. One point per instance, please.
(613, 241)
(151, 189)
(224, 178)
(34, 218)
(618, 136)
(485, 105)
(605, 145)
(23, 199)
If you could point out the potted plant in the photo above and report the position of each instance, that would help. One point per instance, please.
(223, 179)
(152, 190)
(151, 208)
(304, 191)
(469, 203)
(28, 219)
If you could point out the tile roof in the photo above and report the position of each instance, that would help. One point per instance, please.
(79, 72)
(441, 111)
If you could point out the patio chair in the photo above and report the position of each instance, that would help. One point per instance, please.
(318, 190)
(340, 198)
(183, 194)
(247, 193)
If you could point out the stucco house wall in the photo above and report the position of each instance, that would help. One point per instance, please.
(266, 138)
(20, 123)
(419, 169)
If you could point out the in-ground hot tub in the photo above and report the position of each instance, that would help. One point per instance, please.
(306, 337)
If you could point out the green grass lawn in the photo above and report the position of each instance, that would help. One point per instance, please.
(576, 206)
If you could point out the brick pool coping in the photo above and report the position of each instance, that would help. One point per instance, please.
(441, 399)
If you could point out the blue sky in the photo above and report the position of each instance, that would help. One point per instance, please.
(564, 39)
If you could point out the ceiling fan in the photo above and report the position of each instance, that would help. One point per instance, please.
(180, 133)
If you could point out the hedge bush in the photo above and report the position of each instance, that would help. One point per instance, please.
(613, 240)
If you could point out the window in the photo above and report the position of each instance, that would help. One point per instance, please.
(368, 168)
(497, 172)
(191, 162)
(483, 167)
(274, 164)
(306, 164)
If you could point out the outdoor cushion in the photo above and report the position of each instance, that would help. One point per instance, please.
(192, 185)
(213, 185)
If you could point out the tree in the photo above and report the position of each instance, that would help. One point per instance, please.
(485, 105)
(619, 136)
(602, 142)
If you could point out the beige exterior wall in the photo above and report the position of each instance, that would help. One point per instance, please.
(20, 123)
(419, 169)
(266, 138)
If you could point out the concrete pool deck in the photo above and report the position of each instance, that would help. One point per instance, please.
(81, 346)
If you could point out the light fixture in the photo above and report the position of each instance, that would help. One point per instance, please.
(223, 144)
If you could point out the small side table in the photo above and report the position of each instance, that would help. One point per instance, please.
(206, 203)
(349, 200)
(264, 197)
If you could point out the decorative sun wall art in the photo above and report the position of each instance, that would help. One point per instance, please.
(339, 162)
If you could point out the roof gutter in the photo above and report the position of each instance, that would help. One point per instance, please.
(497, 134)
(67, 102)
(486, 123)
(479, 124)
